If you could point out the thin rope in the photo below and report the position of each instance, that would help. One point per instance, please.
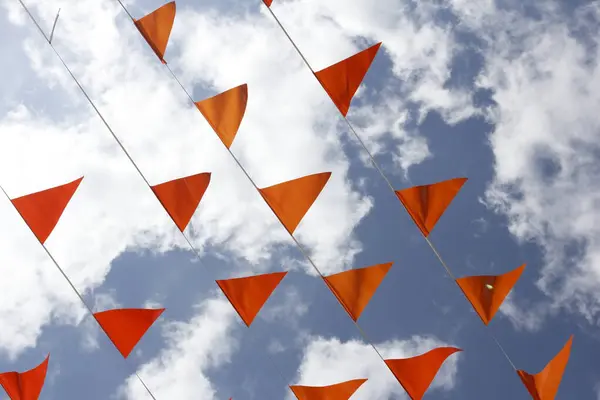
(372, 159)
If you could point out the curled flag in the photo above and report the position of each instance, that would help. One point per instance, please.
(487, 292)
(339, 391)
(156, 28)
(42, 210)
(25, 385)
(415, 374)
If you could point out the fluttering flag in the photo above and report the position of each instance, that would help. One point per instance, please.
(249, 294)
(225, 111)
(415, 374)
(268, 2)
(354, 288)
(291, 200)
(341, 80)
(42, 210)
(544, 385)
(339, 391)
(126, 326)
(427, 203)
(25, 385)
(180, 197)
(156, 28)
(487, 292)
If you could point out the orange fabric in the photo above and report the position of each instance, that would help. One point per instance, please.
(427, 203)
(268, 2)
(249, 294)
(180, 197)
(126, 326)
(225, 111)
(341, 80)
(354, 288)
(291, 200)
(339, 391)
(487, 292)
(544, 385)
(42, 210)
(415, 374)
(156, 28)
(25, 385)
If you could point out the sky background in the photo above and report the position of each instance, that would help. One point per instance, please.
(505, 93)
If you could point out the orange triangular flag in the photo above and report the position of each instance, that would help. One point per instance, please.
(25, 385)
(487, 292)
(354, 288)
(415, 374)
(427, 203)
(544, 385)
(247, 295)
(225, 111)
(268, 2)
(126, 326)
(42, 210)
(291, 200)
(180, 197)
(339, 391)
(156, 28)
(341, 80)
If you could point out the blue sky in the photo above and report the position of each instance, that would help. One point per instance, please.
(502, 92)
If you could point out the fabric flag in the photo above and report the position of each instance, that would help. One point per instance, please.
(415, 374)
(249, 294)
(25, 385)
(341, 80)
(487, 292)
(126, 326)
(42, 210)
(427, 203)
(354, 288)
(180, 197)
(156, 28)
(291, 200)
(225, 111)
(339, 391)
(268, 2)
(544, 385)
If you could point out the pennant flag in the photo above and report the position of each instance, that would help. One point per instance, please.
(354, 288)
(25, 385)
(126, 326)
(544, 385)
(415, 374)
(42, 210)
(341, 80)
(427, 203)
(487, 292)
(225, 111)
(156, 28)
(291, 200)
(247, 295)
(268, 2)
(339, 391)
(180, 197)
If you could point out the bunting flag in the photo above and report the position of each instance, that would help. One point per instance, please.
(339, 391)
(354, 288)
(225, 111)
(341, 80)
(126, 326)
(427, 203)
(291, 200)
(25, 385)
(487, 292)
(180, 197)
(156, 28)
(42, 210)
(249, 294)
(415, 374)
(544, 385)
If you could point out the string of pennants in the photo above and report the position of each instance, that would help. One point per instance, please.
(289, 201)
